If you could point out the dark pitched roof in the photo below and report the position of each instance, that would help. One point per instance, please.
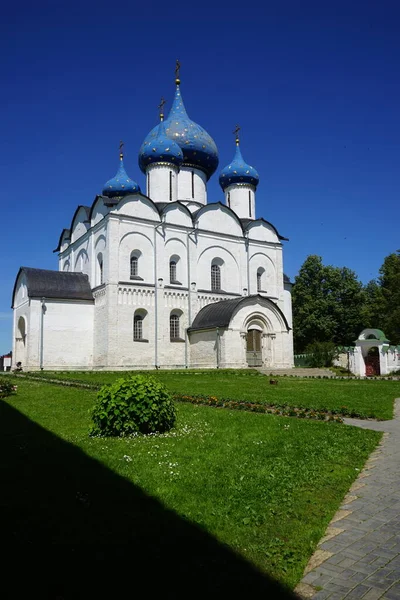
(219, 314)
(43, 283)
(286, 278)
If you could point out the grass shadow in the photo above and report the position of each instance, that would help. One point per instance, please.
(87, 532)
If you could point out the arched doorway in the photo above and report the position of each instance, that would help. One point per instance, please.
(372, 363)
(20, 341)
(254, 348)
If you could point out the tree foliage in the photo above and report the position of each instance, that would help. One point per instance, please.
(326, 304)
(330, 304)
(389, 282)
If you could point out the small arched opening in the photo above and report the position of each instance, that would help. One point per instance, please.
(174, 269)
(175, 325)
(139, 325)
(99, 269)
(216, 274)
(20, 342)
(261, 283)
(134, 265)
(372, 362)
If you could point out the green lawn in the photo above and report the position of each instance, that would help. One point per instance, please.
(266, 486)
(363, 398)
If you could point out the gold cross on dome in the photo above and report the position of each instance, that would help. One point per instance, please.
(177, 68)
(161, 108)
(121, 145)
(236, 132)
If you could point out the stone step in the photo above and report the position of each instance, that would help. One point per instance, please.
(298, 372)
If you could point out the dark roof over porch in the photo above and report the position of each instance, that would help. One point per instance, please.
(219, 314)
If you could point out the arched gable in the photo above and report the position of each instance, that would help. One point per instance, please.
(263, 231)
(261, 261)
(80, 222)
(64, 241)
(20, 292)
(139, 206)
(98, 210)
(82, 262)
(177, 214)
(230, 272)
(140, 244)
(239, 313)
(258, 308)
(219, 218)
(175, 249)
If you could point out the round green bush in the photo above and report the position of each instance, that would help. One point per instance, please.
(136, 404)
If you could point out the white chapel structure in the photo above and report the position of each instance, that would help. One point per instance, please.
(162, 278)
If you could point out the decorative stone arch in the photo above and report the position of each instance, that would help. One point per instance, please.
(138, 244)
(262, 264)
(230, 270)
(81, 262)
(21, 340)
(256, 331)
(99, 269)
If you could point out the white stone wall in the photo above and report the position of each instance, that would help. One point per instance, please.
(67, 341)
(203, 349)
(241, 199)
(136, 226)
(162, 182)
(192, 185)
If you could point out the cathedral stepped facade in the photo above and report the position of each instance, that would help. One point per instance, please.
(162, 279)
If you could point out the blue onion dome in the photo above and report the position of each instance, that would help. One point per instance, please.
(238, 171)
(198, 147)
(121, 184)
(160, 150)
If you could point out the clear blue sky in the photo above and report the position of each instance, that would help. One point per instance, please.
(314, 85)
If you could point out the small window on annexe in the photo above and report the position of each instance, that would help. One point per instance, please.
(174, 327)
(215, 278)
(138, 327)
(134, 266)
(172, 271)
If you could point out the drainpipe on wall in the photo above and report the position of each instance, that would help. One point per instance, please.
(156, 297)
(218, 348)
(248, 262)
(43, 310)
(189, 303)
(155, 301)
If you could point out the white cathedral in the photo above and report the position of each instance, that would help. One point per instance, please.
(164, 279)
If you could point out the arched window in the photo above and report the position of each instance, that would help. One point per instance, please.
(134, 266)
(250, 204)
(100, 269)
(215, 278)
(174, 326)
(172, 271)
(138, 327)
(260, 279)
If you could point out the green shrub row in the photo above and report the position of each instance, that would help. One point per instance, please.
(274, 409)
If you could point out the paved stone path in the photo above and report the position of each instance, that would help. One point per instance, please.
(359, 557)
